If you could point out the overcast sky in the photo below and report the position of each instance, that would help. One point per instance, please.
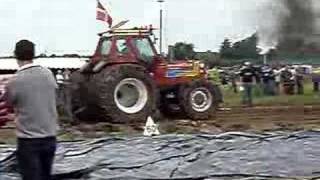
(69, 26)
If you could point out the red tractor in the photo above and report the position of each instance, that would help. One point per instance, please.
(127, 80)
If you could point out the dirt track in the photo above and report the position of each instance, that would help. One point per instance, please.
(270, 118)
(257, 119)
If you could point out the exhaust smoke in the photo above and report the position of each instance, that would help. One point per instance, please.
(290, 25)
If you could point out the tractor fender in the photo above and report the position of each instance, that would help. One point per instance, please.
(98, 67)
(102, 64)
(91, 67)
(86, 68)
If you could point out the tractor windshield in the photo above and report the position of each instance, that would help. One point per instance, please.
(144, 47)
(106, 47)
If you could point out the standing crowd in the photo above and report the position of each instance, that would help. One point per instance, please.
(272, 80)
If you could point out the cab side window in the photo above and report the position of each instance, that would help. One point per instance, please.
(105, 47)
(145, 50)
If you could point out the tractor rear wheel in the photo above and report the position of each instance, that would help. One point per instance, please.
(78, 91)
(123, 93)
(198, 100)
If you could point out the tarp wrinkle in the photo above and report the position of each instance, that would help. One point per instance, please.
(231, 156)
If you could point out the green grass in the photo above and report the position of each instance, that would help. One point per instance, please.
(308, 98)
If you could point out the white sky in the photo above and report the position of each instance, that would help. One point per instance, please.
(69, 26)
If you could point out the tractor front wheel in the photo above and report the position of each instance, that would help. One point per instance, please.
(198, 100)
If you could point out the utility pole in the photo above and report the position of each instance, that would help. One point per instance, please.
(265, 59)
(161, 23)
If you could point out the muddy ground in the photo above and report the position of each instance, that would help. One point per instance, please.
(256, 119)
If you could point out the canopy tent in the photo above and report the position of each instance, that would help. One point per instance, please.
(51, 63)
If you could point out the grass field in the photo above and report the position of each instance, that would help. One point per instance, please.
(308, 98)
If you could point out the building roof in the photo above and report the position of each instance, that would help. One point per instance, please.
(51, 63)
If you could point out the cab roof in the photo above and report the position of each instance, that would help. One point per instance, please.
(128, 32)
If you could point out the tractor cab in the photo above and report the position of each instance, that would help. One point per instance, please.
(121, 46)
(135, 46)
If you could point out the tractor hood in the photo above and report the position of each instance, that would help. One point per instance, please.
(185, 68)
(185, 64)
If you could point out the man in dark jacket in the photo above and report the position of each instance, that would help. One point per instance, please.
(247, 76)
(299, 81)
(288, 82)
(32, 93)
(268, 79)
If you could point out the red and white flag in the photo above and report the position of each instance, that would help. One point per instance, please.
(103, 15)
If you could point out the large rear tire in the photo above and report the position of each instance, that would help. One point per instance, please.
(198, 100)
(123, 93)
(79, 95)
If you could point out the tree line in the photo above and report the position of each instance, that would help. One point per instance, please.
(229, 53)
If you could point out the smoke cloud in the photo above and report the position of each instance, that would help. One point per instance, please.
(290, 25)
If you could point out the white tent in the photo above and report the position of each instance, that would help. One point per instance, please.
(51, 63)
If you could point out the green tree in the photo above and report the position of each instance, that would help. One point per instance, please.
(211, 59)
(246, 49)
(226, 49)
(183, 51)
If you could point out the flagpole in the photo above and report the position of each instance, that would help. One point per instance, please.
(161, 23)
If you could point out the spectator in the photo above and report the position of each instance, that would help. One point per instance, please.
(32, 93)
(224, 78)
(60, 78)
(247, 75)
(233, 77)
(316, 86)
(268, 80)
(299, 81)
(66, 75)
(277, 78)
(61, 88)
(66, 93)
(287, 79)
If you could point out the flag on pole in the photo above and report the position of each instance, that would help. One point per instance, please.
(103, 15)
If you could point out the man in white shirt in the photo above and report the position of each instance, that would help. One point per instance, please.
(277, 78)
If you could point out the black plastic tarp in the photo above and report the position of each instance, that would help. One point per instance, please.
(224, 156)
